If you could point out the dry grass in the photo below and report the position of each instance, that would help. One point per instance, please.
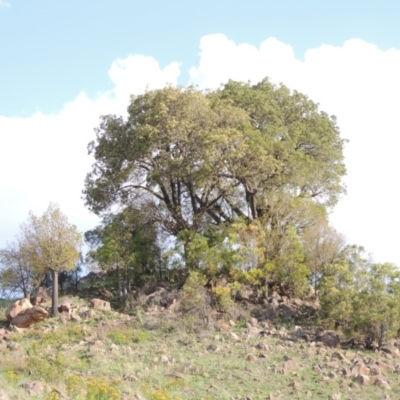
(163, 358)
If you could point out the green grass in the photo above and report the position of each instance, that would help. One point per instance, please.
(109, 358)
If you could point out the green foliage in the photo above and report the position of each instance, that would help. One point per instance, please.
(127, 242)
(289, 268)
(96, 388)
(16, 273)
(51, 242)
(222, 298)
(201, 162)
(50, 369)
(193, 292)
(361, 296)
(377, 306)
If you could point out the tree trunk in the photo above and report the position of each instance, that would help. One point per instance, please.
(54, 299)
(119, 283)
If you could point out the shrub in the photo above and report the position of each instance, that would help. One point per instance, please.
(194, 294)
(222, 298)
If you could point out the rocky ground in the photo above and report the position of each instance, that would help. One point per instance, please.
(93, 352)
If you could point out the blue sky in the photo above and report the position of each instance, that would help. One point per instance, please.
(52, 50)
(64, 63)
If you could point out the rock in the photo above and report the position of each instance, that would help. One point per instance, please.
(335, 396)
(253, 321)
(363, 379)
(212, 347)
(130, 377)
(13, 346)
(295, 385)
(18, 306)
(250, 357)
(329, 339)
(42, 293)
(76, 318)
(88, 314)
(65, 307)
(382, 383)
(64, 317)
(37, 300)
(223, 326)
(4, 395)
(392, 350)
(101, 305)
(290, 364)
(29, 316)
(34, 388)
(360, 368)
(16, 329)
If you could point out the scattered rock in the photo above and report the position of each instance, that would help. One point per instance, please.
(295, 385)
(34, 388)
(329, 339)
(391, 350)
(101, 305)
(382, 383)
(290, 364)
(363, 379)
(75, 317)
(88, 314)
(250, 357)
(13, 346)
(64, 318)
(29, 316)
(18, 306)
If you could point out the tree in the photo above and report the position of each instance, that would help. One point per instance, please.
(127, 243)
(323, 247)
(51, 245)
(16, 273)
(202, 159)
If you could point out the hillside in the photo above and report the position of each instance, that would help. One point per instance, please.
(159, 352)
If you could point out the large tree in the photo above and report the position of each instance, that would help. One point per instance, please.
(208, 158)
(51, 245)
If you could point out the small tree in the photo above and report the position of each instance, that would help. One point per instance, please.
(16, 274)
(51, 245)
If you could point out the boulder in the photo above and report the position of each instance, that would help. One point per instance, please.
(100, 305)
(329, 339)
(40, 295)
(37, 300)
(18, 306)
(29, 316)
(65, 307)
(88, 314)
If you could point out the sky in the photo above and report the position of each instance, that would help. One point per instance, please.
(63, 64)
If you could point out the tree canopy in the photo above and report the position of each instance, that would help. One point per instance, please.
(48, 244)
(203, 159)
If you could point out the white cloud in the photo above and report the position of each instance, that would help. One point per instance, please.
(4, 4)
(43, 158)
(360, 84)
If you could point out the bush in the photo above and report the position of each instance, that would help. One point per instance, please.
(222, 298)
(194, 295)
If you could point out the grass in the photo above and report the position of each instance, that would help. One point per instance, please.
(110, 358)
